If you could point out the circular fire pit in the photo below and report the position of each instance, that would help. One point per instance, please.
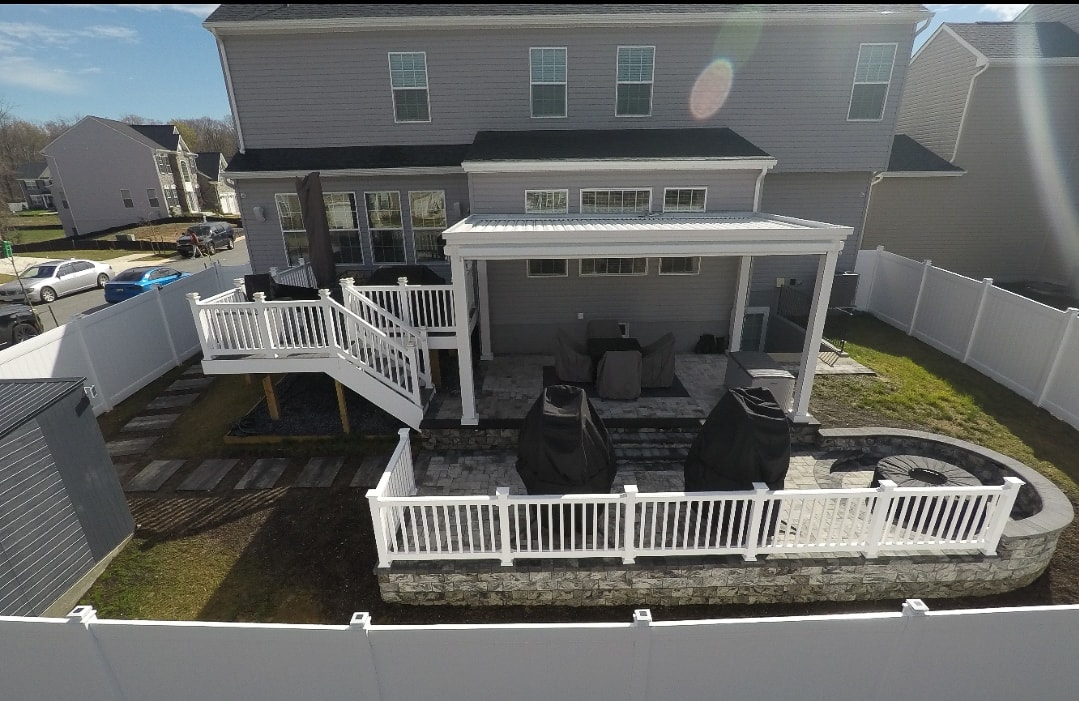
(929, 515)
(921, 471)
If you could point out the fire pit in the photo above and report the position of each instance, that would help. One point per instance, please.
(931, 515)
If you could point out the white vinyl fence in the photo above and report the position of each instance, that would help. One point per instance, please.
(1014, 653)
(1026, 346)
(868, 522)
(121, 348)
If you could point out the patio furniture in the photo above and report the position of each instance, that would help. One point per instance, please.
(598, 346)
(657, 362)
(571, 360)
(619, 375)
(604, 328)
(756, 369)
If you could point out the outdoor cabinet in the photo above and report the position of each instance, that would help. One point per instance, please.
(756, 369)
(62, 510)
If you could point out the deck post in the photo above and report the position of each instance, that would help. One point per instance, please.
(342, 407)
(629, 525)
(502, 505)
(469, 417)
(1001, 514)
(741, 298)
(485, 311)
(818, 312)
(881, 506)
(756, 518)
(271, 397)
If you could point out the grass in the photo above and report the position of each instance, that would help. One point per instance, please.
(17, 235)
(295, 555)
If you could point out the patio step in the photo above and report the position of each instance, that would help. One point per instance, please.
(652, 449)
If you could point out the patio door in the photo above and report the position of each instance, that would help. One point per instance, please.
(755, 328)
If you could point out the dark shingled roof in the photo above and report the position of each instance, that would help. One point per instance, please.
(32, 171)
(1012, 40)
(611, 144)
(256, 13)
(164, 134)
(208, 163)
(908, 156)
(346, 158)
(21, 400)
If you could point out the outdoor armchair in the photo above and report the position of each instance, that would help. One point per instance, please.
(657, 369)
(571, 360)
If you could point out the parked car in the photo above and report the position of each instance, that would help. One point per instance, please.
(135, 281)
(206, 238)
(46, 281)
(18, 322)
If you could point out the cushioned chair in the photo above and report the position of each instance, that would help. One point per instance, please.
(619, 375)
(604, 328)
(571, 360)
(657, 362)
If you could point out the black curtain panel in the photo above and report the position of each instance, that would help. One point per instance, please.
(313, 211)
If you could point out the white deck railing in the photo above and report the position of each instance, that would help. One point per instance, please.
(420, 306)
(868, 522)
(302, 275)
(231, 327)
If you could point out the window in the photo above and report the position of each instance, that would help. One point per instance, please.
(871, 78)
(384, 218)
(184, 172)
(408, 79)
(614, 266)
(341, 216)
(548, 67)
(680, 266)
(615, 201)
(634, 77)
(546, 201)
(126, 195)
(288, 213)
(428, 212)
(169, 191)
(63, 202)
(151, 197)
(547, 268)
(684, 199)
(163, 165)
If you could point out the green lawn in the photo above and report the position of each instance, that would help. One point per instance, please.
(18, 235)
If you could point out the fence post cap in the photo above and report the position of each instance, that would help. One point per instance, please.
(259, 296)
(642, 617)
(360, 619)
(194, 296)
(403, 432)
(914, 607)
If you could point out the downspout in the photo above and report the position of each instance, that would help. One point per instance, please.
(982, 66)
(757, 188)
(873, 180)
(230, 91)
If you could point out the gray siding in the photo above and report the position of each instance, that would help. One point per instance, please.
(790, 86)
(936, 94)
(92, 163)
(504, 193)
(1068, 14)
(1011, 216)
(525, 312)
(265, 241)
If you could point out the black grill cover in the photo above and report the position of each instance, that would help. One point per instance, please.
(264, 282)
(416, 274)
(745, 439)
(564, 448)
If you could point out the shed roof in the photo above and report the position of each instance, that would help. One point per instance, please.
(209, 163)
(268, 160)
(1011, 40)
(22, 400)
(621, 144)
(909, 156)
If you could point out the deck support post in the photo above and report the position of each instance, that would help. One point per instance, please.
(469, 417)
(271, 397)
(342, 408)
(485, 311)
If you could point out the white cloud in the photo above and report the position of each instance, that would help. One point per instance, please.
(23, 33)
(22, 72)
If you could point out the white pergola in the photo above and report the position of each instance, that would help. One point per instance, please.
(485, 237)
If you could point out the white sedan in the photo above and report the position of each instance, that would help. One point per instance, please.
(47, 281)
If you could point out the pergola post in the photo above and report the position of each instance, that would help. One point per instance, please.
(464, 341)
(818, 312)
(741, 297)
(485, 311)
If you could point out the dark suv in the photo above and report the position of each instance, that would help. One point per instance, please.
(18, 322)
(206, 238)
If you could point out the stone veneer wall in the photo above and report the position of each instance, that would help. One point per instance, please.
(1023, 553)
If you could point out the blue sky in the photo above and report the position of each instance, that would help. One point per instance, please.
(68, 61)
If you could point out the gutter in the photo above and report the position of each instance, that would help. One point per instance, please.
(229, 89)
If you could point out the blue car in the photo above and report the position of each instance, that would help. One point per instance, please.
(135, 281)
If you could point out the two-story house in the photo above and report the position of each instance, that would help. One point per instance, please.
(998, 105)
(107, 174)
(217, 194)
(664, 165)
(35, 183)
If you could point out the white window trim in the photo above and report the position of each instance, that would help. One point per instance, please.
(393, 94)
(528, 271)
(659, 266)
(412, 226)
(581, 273)
(562, 190)
(855, 82)
(580, 199)
(617, 82)
(565, 83)
(682, 211)
(370, 229)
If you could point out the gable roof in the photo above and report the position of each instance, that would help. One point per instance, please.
(1010, 40)
(909, 156)
(32, 171)
(209, 163)
(166, 135)
(606, 144)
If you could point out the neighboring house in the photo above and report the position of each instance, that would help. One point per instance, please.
(664, 165)
(217, 194)
(34, 181)
(107, 174)
(998, 102)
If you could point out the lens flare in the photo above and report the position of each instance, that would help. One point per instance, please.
(711, 89)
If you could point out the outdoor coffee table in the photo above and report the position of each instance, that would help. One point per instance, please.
(598, 346)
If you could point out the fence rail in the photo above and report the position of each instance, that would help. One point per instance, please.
(869, 522)
(1024, 345)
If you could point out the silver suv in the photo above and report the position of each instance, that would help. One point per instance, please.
(206, 238)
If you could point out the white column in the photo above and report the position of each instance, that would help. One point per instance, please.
(738, 314)
(464, 342)
(485, 312)
(818, 311)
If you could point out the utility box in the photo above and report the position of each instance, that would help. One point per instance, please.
(756, 369)
(5, 250)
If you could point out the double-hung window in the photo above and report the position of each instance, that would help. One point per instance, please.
(616, 201)
(684, 199)
(288, 213)
(344, 226)
(872, 76)
(125, 195)
(408, 79)
(428, 211)
(151, 197)
(387, 233)
(546, 201)
(636, 67)
(548, 82)
(163, 165)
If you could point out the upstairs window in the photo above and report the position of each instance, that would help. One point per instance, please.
(151, 197)
(126, 196)
(634, 75)
(546, 201)
(615, 201)
(684, 199)
(548, 69)
(163, 165)
(408, 79)
(184, 172)
(871, 79)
